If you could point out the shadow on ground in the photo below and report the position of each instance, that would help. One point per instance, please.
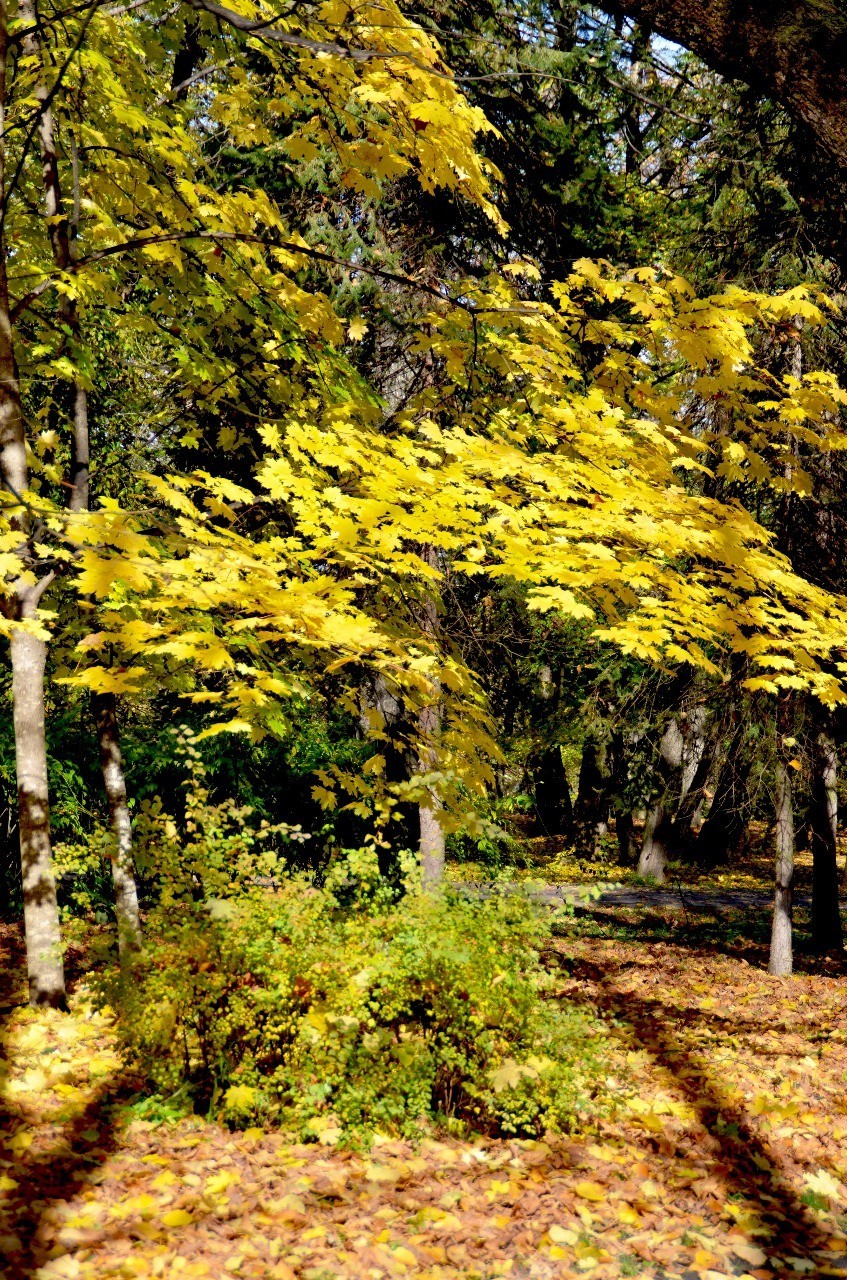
(48, 1161)
(738, 933)
(751, 1169)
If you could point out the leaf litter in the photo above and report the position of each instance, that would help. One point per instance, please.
(724, 1154)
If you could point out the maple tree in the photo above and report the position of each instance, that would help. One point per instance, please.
(112, 223)
(518, 421)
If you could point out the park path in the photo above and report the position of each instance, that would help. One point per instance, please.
(672, 897)
(668, 897)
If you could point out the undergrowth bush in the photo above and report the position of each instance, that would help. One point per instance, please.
(338, 1010)
(282, 1007)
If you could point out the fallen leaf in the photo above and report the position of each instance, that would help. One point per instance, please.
(177, 1218)
(590, 1191)
(750, 1253)
(562, 1235)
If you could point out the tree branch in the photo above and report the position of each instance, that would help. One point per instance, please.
(795, 53)
(173, 237)
(264, 31)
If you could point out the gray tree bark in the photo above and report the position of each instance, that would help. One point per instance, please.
(45, 969)
(693, 750)
(781, 954)
(698, 765)
(826, 914)
(653, 860)
(114, 783)
(431, 841)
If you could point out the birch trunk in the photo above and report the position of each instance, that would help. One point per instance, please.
(45, 969)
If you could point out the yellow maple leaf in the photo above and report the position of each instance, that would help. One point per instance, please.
(239, 1098)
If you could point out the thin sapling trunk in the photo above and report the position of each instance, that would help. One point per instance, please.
(781, 954)
(432, 842)
(45, 969)
(114, 782)
(111, 762)
(826, 913)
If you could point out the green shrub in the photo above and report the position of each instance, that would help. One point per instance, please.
(281, 1006)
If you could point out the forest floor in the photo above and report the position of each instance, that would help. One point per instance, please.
(724, 1153)
(550, 861)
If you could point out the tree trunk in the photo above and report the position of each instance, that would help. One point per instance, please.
(702, 802)
(45, 969)
(693, 751)
(698, 767)
(28, 654)
(781, 959)
(628, 851)
(103, 706)
(431, 844)
(659, 827)
(123, 871)
(591, 812)
(553, 806)
(653, 862)
(621, 783)
(723, 828)
(381, 710)
(826, 914)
